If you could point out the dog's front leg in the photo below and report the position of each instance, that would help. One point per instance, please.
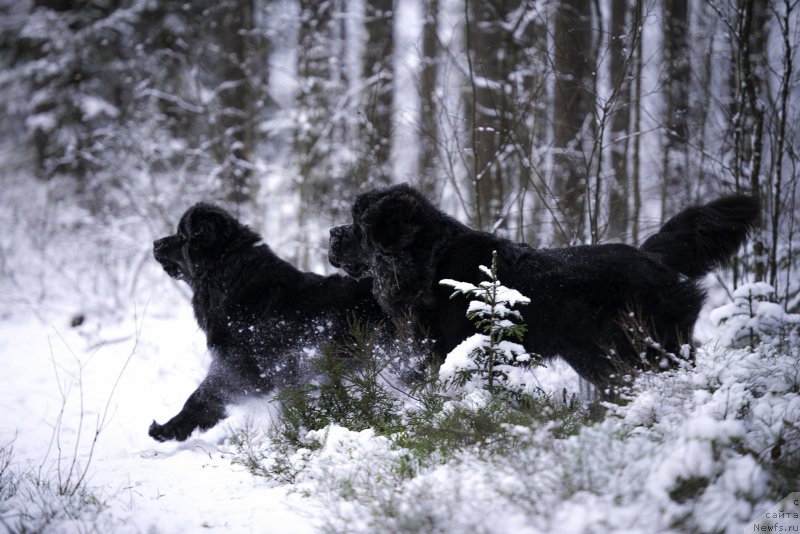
(203, 409)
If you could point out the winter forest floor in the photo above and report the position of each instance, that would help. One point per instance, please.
(705, 449)
(60, 387)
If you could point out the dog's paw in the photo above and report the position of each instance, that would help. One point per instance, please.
(158, 432)
(168, 431)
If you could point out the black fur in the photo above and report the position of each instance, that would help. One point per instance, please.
(700, 238)
(584, 299)
(258, 312)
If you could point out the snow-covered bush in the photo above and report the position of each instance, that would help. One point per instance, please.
(32, 500)
(703, 448)
(694, 449)
(755, 316)
(347, 386)
(428, 421)
(493, 358)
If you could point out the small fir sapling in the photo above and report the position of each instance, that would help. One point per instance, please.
(492, 359)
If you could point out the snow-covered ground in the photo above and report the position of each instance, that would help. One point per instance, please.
(705, 449)
(690, 451)
(60, 384)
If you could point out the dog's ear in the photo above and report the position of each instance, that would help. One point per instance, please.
(208, 225)
(205, 229)
(394, 220)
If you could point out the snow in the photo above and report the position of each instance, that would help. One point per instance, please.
(752, 315)
(45, 122)
(692, 449)
(144, 485)
(93, 107)
(689, 449)
(459, 357)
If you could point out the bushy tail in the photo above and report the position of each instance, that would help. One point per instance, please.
(700, 238)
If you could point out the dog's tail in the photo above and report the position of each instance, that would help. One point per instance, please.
(700, 238)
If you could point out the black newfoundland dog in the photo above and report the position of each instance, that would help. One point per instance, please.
(600, 307)
(257, 311)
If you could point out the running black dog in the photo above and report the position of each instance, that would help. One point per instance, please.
(258, 312)
(600, 307)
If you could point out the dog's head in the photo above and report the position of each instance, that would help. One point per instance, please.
(386, 222)
(204, 233)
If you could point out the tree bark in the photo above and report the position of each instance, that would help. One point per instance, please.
(572, 104)
(235, 152)
(374, 166)
(676, 185)
(428, 116)
(504, 106)
(619, 45)
(485, 46)
(637, 128)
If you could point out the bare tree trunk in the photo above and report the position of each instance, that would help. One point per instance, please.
(313, 71)
(572, 104)
(235, 152)
(504, 42)
(529, 110)
(748, 120)
(637, 129)
(777, 185)
(675, 163)
(376, 124)
(708, 26)
(313, 142)
(619, 45)
(428, 118)
(485, 47)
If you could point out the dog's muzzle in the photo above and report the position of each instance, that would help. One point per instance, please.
(344, 251)
(165, 251)
(335, 244)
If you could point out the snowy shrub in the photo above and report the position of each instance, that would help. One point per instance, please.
(701, 448)
(6, 474)
(755, 316)
(493, 358)
(35, 500)
(482, 421)
(697, 449)
(426, 423)
(268, 453)
(349, 390)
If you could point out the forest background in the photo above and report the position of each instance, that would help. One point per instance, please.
(551, 122)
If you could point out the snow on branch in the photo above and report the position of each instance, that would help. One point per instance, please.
(494, 358)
